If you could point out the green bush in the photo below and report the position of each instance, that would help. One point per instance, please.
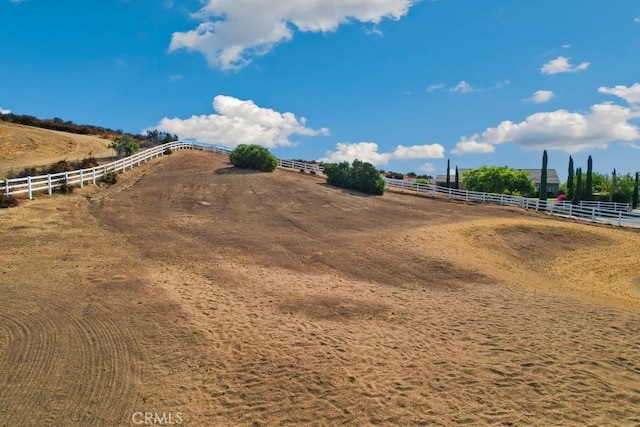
(360, 176)
(253, 156)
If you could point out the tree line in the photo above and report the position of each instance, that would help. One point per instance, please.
(587, 185)
(152, 137)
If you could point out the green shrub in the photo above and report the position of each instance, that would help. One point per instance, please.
(8, 201)
(360, 176)
(253, 156)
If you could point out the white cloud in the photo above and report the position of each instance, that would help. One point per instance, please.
(541, 96)
(232, 32)
(502, 84)
(428, 167)
(470, 145)
(562, 65)
(559, 130)
(239, 122)
(432, 151)
(4, 111)
(637, 20)
(630, 94)
(462, 87)
(374, 31)
(175, 77)
(435, 87)
(368, 152)
(566, 46)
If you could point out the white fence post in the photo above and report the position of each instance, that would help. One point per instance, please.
(29, 187)
(49, 184)
(81, 179)
(94, 175)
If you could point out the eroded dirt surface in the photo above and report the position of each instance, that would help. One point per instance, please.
(239, 298)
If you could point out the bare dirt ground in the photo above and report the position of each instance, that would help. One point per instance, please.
(229, 297)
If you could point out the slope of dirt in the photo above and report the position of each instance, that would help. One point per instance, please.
(23, 146)
(238, 298)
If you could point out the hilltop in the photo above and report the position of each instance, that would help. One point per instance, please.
(23, 146)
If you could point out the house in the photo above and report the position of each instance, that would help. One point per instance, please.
(553, 182)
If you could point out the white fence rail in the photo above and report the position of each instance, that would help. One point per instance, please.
(602, 212)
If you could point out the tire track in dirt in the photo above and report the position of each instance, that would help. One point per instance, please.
(64, 361)
(29, 357)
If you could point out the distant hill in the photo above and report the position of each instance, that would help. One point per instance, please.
(22, 146)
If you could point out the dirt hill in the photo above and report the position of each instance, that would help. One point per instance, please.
(226, 297)
(23, 146)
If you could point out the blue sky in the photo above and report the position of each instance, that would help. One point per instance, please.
(404, 84)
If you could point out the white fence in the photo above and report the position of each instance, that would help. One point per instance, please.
(603, 212)
(48, 183)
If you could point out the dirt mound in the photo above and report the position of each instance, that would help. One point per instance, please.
(236, 298)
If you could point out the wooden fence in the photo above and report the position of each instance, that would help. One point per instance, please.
(603, 212)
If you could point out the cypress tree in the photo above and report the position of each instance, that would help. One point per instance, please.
(456, 184)
(614, 185)
(448, 174)
(634, 197)
(578, 190)
(588, 186)
(543, 177)
(570, 184)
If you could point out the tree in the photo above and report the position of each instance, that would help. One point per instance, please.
(588, 186)
(360, 176)
(253, 156)
(448, 174)
(571, 185)
(124, 145)
(577, 196)
(613, 188)
(634, 197)
(456, 183)
(543, 177)
(498, 179)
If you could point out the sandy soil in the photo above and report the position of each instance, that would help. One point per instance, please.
(225, 297)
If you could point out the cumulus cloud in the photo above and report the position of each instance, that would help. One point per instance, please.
(462, 87)
(630, 94)
(368, 152)
(637, 20)
(232, 32)
(240, 122)
(4, 111)
(559, 130)
(562, 65)
(541, 96)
